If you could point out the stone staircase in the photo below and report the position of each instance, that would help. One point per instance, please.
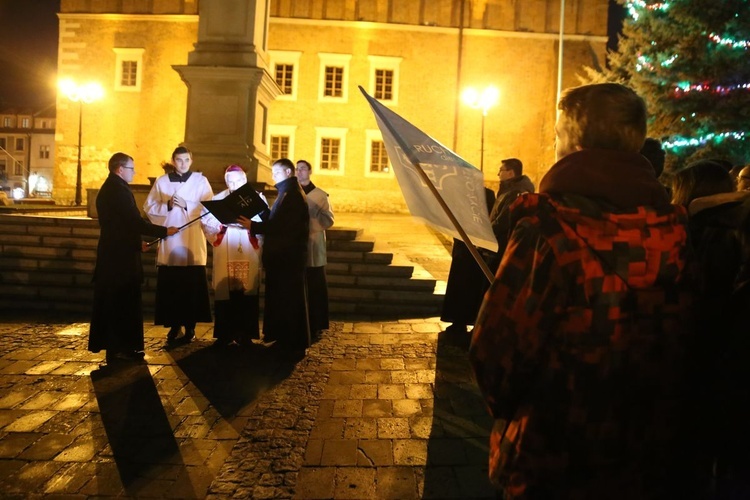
(46, 265)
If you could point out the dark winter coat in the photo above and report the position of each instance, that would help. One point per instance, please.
(117, 316)
(500, 214)
(720, 235)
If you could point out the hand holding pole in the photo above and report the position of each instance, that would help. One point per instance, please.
(177, 230)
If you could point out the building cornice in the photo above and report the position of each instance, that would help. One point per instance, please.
(171, 18)
(361, 25)
(366, 25)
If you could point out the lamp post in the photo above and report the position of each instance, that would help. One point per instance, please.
(83, 93)
(483, 100)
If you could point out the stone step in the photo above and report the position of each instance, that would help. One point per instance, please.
(46, 264)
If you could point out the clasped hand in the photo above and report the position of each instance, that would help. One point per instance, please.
(179, 201)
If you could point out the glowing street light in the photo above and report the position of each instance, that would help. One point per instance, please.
(84, 93)
(483, 100)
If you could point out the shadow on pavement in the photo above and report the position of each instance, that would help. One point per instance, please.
(137, 427)
(232, 378)
(458, 447)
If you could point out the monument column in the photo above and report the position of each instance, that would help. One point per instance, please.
(229, 89)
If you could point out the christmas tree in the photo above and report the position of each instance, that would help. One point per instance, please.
(690, 61)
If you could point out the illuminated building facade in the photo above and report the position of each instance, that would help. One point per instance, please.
(27, 151)
(414, 55)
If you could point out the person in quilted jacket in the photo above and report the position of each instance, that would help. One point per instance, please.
(580, 348)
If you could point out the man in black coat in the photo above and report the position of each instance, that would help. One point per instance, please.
(513, 183)
(285, 232)
(466, 285)
(117, 318)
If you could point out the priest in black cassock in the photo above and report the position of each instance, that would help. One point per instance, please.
(117, 318)
(285, 230)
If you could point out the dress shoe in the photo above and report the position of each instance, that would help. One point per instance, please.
(189, 334)
(173, 333)
(456, 328)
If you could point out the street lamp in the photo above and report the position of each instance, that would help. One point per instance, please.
(483, 100)
(84, 93)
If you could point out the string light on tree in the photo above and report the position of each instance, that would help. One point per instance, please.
(635, 6)
(689, 61)
(677, 142)
(683, 88)
(729, 42)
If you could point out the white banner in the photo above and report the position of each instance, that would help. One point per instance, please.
(457, 184)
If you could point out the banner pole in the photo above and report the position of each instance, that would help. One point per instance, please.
(407, 150)
(157, 240)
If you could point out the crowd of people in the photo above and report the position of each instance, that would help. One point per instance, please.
(286, 242)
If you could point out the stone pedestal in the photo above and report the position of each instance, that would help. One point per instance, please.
(229, 88)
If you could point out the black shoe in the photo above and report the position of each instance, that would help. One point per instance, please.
(174, 332)
(189, 334)
(456, 328)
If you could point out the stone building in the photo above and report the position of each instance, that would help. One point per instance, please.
(27, 151)
(414, 55)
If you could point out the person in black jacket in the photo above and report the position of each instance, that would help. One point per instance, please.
(285, 230)
(720, 235)
(117, 317)
(466, 285)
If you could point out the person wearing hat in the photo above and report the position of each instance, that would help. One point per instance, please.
(236, 271)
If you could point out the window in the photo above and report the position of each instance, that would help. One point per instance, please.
(383, 84)
(281, 141)
(378, 157)
(129, 75)
(330, 153)
(330, 150)
(285, 67)
(25, 123)
(2, 143)
(7, 122)
(376, 160)
(3, 172)
(20, 144)
(44, 152)
(334, 77)
(384, 72)
(334, 82)
(279, 146)
(18, 169)
(128, 69)
(44, 123)
(284, 76)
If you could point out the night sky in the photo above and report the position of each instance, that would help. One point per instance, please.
(28, 52)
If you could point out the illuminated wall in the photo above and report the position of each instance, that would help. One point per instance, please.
(512, 45)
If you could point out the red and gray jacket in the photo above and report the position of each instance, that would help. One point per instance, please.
(579, 348)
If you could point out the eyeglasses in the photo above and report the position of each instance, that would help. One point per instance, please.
(129, 168)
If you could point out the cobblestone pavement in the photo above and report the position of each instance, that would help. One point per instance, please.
(375, 410)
